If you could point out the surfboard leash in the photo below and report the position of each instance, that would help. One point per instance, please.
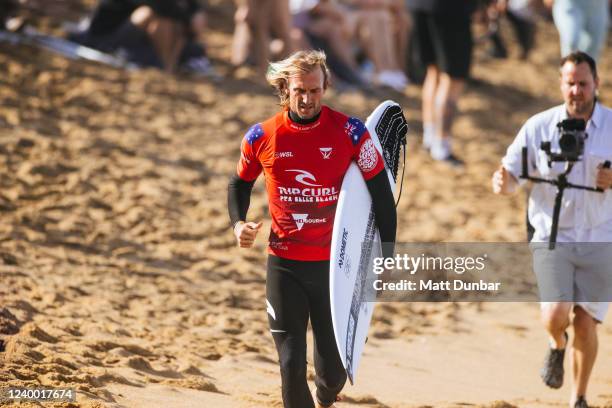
(399, 196)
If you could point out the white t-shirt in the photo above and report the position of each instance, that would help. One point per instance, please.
(585, 216)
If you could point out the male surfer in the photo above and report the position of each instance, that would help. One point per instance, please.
(304, 152)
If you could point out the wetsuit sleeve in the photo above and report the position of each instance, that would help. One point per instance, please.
(238, 198)
(249, 166)
(384, 210)
(240, 186)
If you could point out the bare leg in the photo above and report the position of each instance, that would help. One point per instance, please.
(242, 36)
(428, 96)
(169, 40)
(378, 39)
(252, 33)
(167, 35)
(556, 321)
(299, 39)
(446, 98)
(584, 351)
(402, 26)
(444, 110)
(430, 86)
(330, 30)
(387, 39)
(363, 30)
(281, 25)
(258, 19)
(374, 34)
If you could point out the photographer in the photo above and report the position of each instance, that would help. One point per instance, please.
(576, 273)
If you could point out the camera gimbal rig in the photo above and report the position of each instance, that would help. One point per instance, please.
(572, 147)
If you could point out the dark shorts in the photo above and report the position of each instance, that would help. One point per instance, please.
(444, 40)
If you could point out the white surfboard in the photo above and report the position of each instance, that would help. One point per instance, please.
(355, 239)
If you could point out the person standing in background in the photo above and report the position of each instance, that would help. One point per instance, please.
(256, 21)
(443, 40)
(582, 25)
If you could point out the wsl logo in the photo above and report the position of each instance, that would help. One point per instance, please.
(282, 155)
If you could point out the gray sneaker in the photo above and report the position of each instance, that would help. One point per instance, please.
(552, 371)
(581, 403)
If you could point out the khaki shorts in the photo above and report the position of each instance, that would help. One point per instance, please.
(580, 273)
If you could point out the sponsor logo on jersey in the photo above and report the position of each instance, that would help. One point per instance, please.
(308, 195)
(305, 177)
(368, 157)
(304, 128)
(282, 155)
(314, 193)
(301, 219)
(325, 152)
(278, 245)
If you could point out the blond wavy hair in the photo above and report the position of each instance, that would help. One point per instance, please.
(299, 62)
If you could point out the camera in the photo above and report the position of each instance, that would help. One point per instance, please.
(571, 144)
(571, 141)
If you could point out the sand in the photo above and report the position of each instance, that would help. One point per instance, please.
(119, 276)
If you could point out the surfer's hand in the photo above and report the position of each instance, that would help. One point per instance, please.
(246, 232)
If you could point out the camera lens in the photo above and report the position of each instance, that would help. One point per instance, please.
(568, 143)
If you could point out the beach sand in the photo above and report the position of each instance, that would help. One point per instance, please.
(119, 276)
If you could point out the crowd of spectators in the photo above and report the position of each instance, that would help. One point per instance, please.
(369, 43)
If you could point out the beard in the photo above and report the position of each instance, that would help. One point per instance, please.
(580, 107)
(311, 111)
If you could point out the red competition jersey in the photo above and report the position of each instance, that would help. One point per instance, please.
(304, 166)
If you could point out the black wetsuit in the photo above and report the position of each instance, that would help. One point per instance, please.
(298, 291)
